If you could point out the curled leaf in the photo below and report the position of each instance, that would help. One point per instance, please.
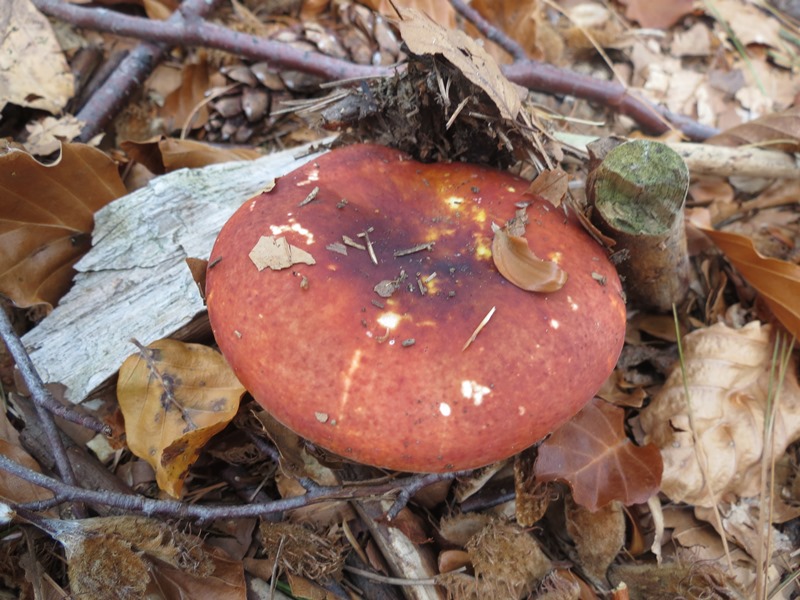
(517, 263)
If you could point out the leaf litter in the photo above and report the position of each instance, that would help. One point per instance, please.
(669, 80)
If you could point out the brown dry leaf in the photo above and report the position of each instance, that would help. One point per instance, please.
(423, 36)
(778, 281)
(657, 15)
(174, 397)
(777, 131)
(191, 154)
(33, 70)
(440, 12)
(46, 218)
(749, 24)
(164, 155)
(135, 557)
(46, 135)
(516, 262)
(186, 107)
(524, 22)
(552, 185)
(12, 488)
(592, 454)
(277, 254)
(728, 373)
(160, 9)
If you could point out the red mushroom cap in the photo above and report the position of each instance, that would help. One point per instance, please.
(384, 379)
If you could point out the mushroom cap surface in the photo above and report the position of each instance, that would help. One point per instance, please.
(333, 359)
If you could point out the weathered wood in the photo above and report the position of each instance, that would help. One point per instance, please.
(134, 282)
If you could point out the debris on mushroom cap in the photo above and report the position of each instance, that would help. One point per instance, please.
(456, 367)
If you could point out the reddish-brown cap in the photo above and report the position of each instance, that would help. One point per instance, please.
(363, 351)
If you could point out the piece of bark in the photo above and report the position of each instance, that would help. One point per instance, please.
(637, 193)
(134, 282)
(405, 559)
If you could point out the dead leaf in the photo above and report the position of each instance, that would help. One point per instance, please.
(552, 185)
(778, 281)
(174, 397)
(186, 107)
(137, 557)
(190, 154)
(516, 262)
(46, 218)
(749, 24)
(423, 36)
(46, 135)
(12, 488)
(277, 254)
(594, 456)
(33, 70)
(657, 15)
(727, 373)
(778, 131)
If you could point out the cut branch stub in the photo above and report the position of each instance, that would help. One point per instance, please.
(638, 193)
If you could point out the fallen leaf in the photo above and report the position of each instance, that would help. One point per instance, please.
(186, 107)
(277, 254)
(778, 281)
(423, 36)
(46, 135)
(594, 456)
(131, 557)
(748, 23)
(516, 262)
(776, 131)
(657, 15)
(552, 185)
(46, 218)
(33, 70)
(191, 154)
(728, 376)
(174, 397)
(12, 488)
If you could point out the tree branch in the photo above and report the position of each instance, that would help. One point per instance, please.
(180, 510)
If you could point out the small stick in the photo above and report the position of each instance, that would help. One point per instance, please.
(479, 328)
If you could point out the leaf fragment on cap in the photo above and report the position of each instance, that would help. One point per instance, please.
(516, 262)
(277, 253)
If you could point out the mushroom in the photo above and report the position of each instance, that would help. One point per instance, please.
(372, 321)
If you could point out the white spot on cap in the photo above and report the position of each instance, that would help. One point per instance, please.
(521, 410)
(455, 201)
(472, 390)
(572, 304)
(555, 257)
(390, 320)
(294, 226)
(554, 324)
(312, 176)
(444, 408)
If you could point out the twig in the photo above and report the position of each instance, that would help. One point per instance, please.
(40, 394)
(491, 32)
(396, 580)
(180, 510)
(112, 95)
(534, 75)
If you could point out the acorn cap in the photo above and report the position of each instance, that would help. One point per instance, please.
(359, 303)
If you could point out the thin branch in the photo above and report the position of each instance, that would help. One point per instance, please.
(491, 32)
(125, 80)
(180, 510)
(40, 394)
